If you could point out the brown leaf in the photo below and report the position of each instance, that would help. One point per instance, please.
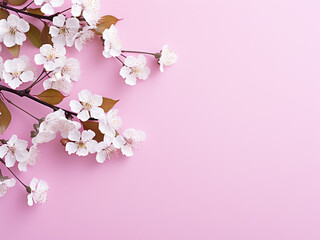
(34, 35)
(51, 96)
(35, 11)
(94, 126)
(5, 117)
(4, 13)
(15, 50)
(16, 2)
(108, 103)
(45, 36)
(105, 22)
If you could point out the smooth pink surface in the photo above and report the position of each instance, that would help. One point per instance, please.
(233, 131)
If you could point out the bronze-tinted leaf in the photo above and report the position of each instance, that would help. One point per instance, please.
(16, 2)
(105, 22)
(35, 11)
(34, 36)
(108, 103)
(5, 117)
(94, 126)
(4, 13)
(51, 96)
(45, 36)
(15, 50)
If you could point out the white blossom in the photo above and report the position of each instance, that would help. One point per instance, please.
(64, 30)
(89, 9)
(53, 123)
(6, 183)
(110, 122)
(88, 106)
(82, 37)
(131, 139)
(39, 190)
(81, 143)
(48, 5)
(17, 71)
(112, 44)
(51, 57)
(13, 29)
(32, 158)
(69, 69)
(168, 57)
(14, 150)
(105, 149)
(61, 84)
(134, 68)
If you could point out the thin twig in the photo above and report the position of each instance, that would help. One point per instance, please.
(153, 54)
(26, 187)
(120, 60)
(9, 101)
(24, 93)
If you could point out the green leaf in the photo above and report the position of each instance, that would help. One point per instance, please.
(5, 117)
(35, 11)
(4, 13)
(15, 50)
(108, 103)
(34, 35)
(94, 126)
(105, 22)
(51, 96)
(16, 2)
(45, 36)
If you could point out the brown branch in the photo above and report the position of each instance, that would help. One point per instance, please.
(24, 93)
(23, 11)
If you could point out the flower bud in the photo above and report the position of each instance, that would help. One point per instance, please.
(157, 55)
(64, 141)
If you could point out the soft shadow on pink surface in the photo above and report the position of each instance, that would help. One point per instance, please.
(233, 134)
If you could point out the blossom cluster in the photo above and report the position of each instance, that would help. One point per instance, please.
(91, 125)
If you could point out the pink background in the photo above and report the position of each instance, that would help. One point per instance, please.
(233, 131)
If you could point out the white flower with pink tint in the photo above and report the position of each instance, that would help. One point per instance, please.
(105, 149)
(51, 57)
(48, 5)
(53, 123)
(89, 106)
(14, 150)
(70, 69)
(17, 71)
(81, 143)
(112, 44)
(168, 57)
(6, 183)
(13, 29)
(64, 30)
(134, 68)
(110, 122)
(61, 84)
(82, 37)
(32, 158)
(89, 9)
(39, 190)
(131, 139)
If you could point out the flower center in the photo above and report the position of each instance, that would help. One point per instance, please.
(135, 70)
(87, 106)
(16, 74)
(11, 149)
(63, 30)
(13, 30)
(81, 144)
